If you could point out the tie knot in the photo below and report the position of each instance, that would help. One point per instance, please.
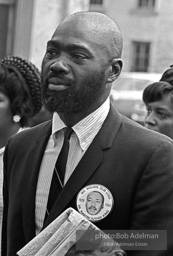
(67, 132)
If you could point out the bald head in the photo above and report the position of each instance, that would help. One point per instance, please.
(100, 28)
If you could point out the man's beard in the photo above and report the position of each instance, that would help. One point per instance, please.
(71, 100)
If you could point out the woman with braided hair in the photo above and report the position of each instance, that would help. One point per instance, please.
(20, 100)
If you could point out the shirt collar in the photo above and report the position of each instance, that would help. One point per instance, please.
(87, 128)
(57, 124)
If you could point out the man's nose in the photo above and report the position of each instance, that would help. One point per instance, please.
(60, 65)
(93, 203)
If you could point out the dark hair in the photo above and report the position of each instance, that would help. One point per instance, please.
(20, 81)
(168, 75)
(155, 91)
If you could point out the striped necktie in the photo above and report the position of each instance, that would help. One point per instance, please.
(59, 170)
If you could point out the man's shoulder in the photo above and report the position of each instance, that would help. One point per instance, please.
(138, 132)
(131, 134)
(32, 132)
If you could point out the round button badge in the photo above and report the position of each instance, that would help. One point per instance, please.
(94, 202)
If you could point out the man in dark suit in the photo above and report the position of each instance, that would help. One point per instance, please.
(132, 165)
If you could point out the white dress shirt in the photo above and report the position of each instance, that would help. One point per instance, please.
(83, 134)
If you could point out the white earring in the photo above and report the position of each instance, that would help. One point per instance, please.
(16, 118)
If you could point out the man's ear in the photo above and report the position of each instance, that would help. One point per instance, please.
(115, 70)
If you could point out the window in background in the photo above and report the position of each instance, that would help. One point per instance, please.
(141, 56)
(147, 4)
(97, 6)
(100, 2)
(6, 27)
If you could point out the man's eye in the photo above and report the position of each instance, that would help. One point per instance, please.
(79, 56)
(50, 52)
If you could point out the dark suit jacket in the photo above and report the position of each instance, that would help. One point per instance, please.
(135, 164)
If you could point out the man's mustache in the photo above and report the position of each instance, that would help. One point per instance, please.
(92, 208)
(57, 78)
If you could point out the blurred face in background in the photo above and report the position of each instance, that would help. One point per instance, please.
(159, 116)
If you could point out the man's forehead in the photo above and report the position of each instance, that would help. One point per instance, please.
(94, 193)
(94, 28)
(77, 35)
(81, 29)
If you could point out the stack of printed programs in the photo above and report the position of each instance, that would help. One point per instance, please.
(71, 234)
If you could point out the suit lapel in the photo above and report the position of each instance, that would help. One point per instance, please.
(35, 154)
(77, 179)
(88, 164)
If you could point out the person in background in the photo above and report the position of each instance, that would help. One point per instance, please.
(20, 100)
(134, 164)
(158, 99)
(168, 75)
